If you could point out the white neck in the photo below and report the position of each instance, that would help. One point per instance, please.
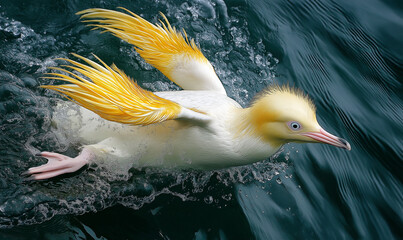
(247, 141)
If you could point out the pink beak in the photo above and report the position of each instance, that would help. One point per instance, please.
(325, 137)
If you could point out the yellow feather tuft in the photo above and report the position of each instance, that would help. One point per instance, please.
(112, 94)
(160, 46)
(276, 88)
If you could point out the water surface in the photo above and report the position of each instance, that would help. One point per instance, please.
(347, 55)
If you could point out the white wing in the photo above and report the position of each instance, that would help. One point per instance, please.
(161, 46)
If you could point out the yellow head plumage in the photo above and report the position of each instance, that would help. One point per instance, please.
(283, 114)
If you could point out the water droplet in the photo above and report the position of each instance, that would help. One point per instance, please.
(208, 199)
(227, 197)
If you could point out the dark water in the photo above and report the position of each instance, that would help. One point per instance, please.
(346, 54)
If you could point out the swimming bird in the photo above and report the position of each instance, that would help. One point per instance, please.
(199, 127)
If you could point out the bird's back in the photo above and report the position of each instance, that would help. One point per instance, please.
(206, 101)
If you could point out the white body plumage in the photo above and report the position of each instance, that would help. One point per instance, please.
(177, 143)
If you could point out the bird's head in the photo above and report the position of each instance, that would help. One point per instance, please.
(282, 114)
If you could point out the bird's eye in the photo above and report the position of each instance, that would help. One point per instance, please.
(295, 126)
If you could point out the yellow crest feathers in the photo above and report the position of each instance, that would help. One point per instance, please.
(159, 45)
(276, 88)
(111, 93)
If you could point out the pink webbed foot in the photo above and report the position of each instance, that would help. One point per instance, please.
(57, 164)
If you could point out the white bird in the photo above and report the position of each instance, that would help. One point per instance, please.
(199, 127)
